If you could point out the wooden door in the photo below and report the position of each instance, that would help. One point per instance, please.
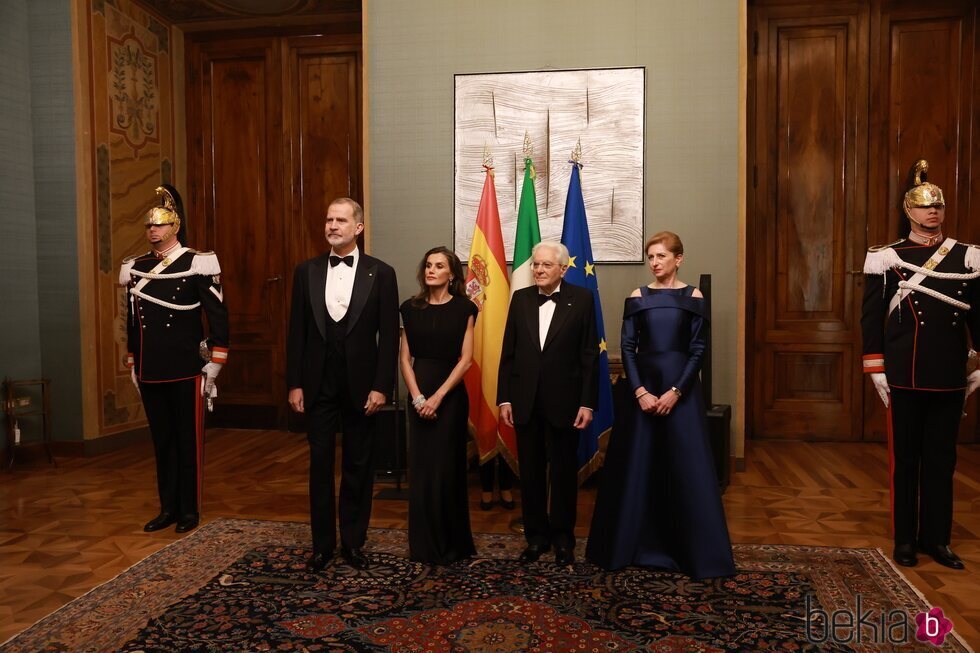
(273, 135)
(843, 97)
(923, 106)
(809, 93)
(323, 135)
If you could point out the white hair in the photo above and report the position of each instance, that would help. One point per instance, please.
(555, 247)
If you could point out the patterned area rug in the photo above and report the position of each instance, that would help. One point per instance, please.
(239, 585)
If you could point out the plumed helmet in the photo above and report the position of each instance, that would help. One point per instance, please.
(170, 211)
(920, 192)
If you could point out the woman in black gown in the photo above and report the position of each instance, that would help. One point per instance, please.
(436, 351)
(658, 503)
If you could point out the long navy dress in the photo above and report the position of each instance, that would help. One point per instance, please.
(438, 503)
(658, 503)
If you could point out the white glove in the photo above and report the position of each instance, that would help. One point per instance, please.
(136, 383)
(881, 385)
(210, 372)
(972, 382)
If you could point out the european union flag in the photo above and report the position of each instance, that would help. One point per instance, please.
(581, 272)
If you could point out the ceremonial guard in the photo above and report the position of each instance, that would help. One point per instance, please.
(918, 306)
(173, 365)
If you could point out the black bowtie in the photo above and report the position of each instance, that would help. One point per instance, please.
(336, 260)
(553, 297)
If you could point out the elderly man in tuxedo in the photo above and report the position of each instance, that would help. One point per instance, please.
(340, 369)
(547, 389)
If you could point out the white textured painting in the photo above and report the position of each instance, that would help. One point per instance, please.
(601, 108)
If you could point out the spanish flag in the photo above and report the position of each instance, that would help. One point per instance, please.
(487, 287)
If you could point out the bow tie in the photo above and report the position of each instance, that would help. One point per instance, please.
(336, 260)
(553, 297)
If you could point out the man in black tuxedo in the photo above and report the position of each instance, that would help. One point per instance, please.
(547, 387)
(340, 368)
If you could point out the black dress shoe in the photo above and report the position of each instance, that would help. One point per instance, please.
(533, 552)
(162, 520)
(318, 561)
(904, 555)
(564, 556)
(507, 505)
(486, 505)
(944, 555)
(355, 557)
(187, 523)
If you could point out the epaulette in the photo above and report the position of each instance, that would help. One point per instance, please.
(205, 263)
(197, 253)
(126, 266)
(972, 257)
(878, 248)
(881, 259)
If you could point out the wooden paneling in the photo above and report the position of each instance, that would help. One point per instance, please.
(809, 87)
(273, 136)
(807, 375)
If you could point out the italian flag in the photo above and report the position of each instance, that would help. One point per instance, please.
(528, 234)
(487, 287)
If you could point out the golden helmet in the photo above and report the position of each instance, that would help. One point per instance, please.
(921, 193)
(169, 213)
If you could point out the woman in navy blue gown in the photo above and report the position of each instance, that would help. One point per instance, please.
(658, 503)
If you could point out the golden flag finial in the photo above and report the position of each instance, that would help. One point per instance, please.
(487, 159)
(528, 147)
(576, 157)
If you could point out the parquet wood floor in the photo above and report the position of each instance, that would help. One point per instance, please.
(66, 529)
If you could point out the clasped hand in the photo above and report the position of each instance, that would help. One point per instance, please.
(662, 405)
(427, 409)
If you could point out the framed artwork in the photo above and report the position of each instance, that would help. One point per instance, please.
(549, 114)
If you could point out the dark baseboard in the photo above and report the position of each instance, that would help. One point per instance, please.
(241, 416)
(116, 441)
(738, 464)
(82, 448)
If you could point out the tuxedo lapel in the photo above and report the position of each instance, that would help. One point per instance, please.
(364, 278)
(562, 309)
(318, 286)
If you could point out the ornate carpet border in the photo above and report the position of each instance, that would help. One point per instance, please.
(117, 609)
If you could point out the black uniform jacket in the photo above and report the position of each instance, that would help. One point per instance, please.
(164, 342)
(565, 374)
(922, 345)
(371, 345)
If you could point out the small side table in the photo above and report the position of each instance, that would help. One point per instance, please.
(14, 409)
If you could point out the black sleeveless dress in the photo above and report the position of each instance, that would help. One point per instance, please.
(438, 504)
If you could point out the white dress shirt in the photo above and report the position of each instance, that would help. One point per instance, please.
(545, 313)
(340, 284)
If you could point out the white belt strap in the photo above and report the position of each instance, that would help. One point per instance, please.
(917, 278)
